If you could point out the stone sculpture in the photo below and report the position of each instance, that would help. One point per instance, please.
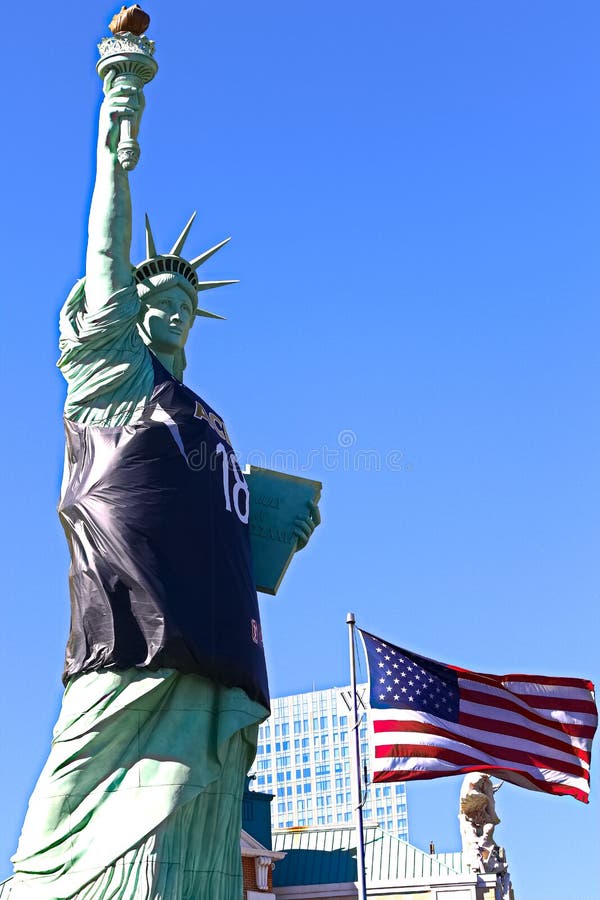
(165, 677)
(478, 818)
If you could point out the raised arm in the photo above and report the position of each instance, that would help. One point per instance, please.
(108, 266)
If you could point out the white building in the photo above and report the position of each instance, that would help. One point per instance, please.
(303, 759)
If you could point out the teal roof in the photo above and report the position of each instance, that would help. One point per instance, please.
(328, 856)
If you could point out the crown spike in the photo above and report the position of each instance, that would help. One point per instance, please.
(207, 285)
(198, 260)
(178, 245)
(150, 245)
(208, 315)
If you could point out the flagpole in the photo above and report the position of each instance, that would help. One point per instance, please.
(358, 815)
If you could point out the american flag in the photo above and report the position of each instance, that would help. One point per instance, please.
(430, 719)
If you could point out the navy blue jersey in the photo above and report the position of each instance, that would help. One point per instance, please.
(156, 517)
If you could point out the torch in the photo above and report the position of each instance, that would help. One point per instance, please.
(130, 55)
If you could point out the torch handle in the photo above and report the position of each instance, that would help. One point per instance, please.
(128, 149)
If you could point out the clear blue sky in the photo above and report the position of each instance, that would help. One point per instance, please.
(412, 190)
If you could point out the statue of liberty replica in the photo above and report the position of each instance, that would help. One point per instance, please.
(140, 798)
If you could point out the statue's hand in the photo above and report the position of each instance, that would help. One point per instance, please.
(304, 527)
(122, 100)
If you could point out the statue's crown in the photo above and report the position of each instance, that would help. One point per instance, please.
(173, 264)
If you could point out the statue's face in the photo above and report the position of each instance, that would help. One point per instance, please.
(167, 318)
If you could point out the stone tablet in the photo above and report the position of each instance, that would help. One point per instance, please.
(276, 500)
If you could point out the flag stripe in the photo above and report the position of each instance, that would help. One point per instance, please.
(521, 689)
(519, 731)
(582, 683)
(562, 704)
(427, 774)
(418, 755)
(573, 706)
(511, 703)
(441, 738)
(510, 754)
(479, 725)
(581, 734)
(531, 680)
